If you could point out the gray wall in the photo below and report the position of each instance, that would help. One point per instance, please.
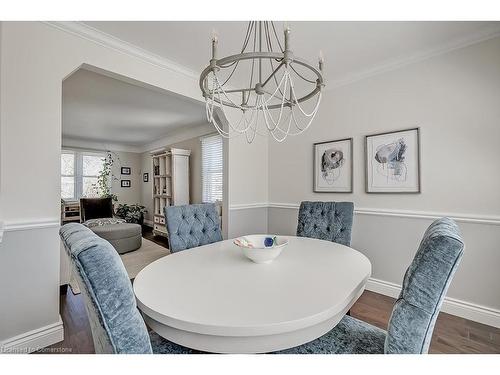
(454, 98)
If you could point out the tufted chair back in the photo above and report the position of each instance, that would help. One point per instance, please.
(117, 326)
(192, 225)
(424, 287)
(331, 221)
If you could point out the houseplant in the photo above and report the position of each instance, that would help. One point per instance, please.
(102, 187)
(133, 213)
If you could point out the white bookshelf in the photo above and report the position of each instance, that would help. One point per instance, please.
(170, 183)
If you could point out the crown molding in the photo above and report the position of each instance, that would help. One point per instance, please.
(179, 135)
(99, 37)
(394, 64)
(70, 142)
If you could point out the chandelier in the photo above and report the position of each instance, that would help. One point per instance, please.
(273, 97)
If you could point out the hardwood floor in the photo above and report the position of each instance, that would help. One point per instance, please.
(451, 334)
(147, 232)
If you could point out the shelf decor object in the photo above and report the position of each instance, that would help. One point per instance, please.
(277, 85)
(393, 162)
(170, 183)
(333, 166)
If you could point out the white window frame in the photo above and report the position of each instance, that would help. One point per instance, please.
(203, 182)
(78, 169)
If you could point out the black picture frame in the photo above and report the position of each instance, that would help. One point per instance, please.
(126, 170)
(145, 177)
(315, 165)
(418, 150)
(125, 183)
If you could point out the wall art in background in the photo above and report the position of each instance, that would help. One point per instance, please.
(393, 162)
(126, 170)
(333, 166)
(125, 183)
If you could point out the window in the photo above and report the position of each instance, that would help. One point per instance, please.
(211, 171)
(79, 172)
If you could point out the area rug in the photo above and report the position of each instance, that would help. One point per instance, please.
(134, 261)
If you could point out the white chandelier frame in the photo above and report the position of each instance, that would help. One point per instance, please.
(253, 114)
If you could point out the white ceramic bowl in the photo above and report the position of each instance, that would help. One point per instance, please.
(259, 253)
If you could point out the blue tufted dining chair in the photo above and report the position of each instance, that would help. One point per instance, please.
(415, 311)
(331, 221)
(116, 323)
(192, 225)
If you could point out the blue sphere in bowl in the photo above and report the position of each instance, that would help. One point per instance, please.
(268, 241)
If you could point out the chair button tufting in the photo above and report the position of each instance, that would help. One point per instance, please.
(328, 229)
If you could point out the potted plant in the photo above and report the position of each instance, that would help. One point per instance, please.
(133, 213)
(102, 188)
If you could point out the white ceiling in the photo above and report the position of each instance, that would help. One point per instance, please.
(103, 109)
(98, 108)
(350, 48)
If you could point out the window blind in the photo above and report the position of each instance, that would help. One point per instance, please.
(212, 169)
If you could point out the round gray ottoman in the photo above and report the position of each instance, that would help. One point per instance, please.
(124, 237)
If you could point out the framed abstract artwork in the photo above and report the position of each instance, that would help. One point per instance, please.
(393, 162)
(125, 183)
(333, 166)
(145, 177)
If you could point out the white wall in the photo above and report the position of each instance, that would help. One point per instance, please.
(248, 169)
(131, 195)
(455, 100)
(147, 187)
(35, 58)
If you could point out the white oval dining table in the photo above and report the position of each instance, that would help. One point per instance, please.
(212, 298)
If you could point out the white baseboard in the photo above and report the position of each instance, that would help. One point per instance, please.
(34, 340)
(463, 309)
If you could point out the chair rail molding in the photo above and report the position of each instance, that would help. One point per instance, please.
(459, 217)
(11, 226)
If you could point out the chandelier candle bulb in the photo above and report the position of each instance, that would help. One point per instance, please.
(214, 44)
(321, 60)
(287, 38)
(269, 102)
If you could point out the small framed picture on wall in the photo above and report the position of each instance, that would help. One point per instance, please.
(333, 166)
(145, 177)
(393, 162)
(126, 170)
(125, 183)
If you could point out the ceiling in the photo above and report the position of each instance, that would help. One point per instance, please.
(350, 48)
(98, 108)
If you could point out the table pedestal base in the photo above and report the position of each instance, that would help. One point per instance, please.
(247, 344)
